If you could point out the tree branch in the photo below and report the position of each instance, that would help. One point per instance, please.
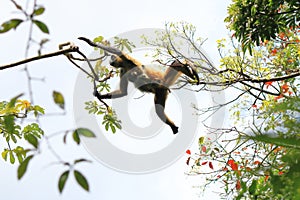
(57, 53)
(109, 49)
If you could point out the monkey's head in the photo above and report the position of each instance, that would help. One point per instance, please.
(115, 61)
(124, 61)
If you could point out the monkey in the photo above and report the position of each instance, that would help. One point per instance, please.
(145, 79)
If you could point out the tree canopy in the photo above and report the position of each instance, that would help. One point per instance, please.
(253, 22)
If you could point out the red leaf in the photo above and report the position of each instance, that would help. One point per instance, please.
(211, 165)
(203, 148)
(285, 88)
(266, 178)
(274, 52)
(278, 97)
(203, 163)
(265, 42)
(268, 83)
(230, 162)
(238, 185)
(282, 35)
(188, 152)
(280, 173)
(256, 162)
(233, 165)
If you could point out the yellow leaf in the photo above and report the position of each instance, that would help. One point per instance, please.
(23, 104)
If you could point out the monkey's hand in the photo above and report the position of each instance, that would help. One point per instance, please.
(111, 95)
(98, 95)
(192, 71)
(196, 76)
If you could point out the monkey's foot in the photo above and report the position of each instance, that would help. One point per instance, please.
(174, 129)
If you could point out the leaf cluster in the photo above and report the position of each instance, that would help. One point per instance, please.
(254, 21)
(12, 130)
(28, 16)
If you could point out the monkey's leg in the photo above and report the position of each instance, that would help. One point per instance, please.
(178, 67)
(160, 97)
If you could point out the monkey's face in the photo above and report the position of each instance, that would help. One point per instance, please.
(115, 61)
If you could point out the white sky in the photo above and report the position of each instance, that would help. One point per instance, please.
(68, 20)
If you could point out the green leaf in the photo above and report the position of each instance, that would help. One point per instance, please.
(201, 140)
(13, 101)
(32, 140)
(58, 99)
(276, 183)
(128, 47)
(20, 158)
(81, 180)
(85, 132)
(33, 129)
(11, 157)
(20, 153)
(23, 167)
(4, 154)
(38, 109)
(13, 138)
(38, 11)
(43, 27)
(9, 123)
(118, 125)
(62, 180)
(244, 185)
(11, 24)
(113, 128)
(76, 137)
(252, 188)
(106, 126)
(98, 39)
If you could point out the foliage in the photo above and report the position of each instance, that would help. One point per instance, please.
(82, 132)
(261, 162)
(257, 158)
(79, 177)
(254, 21)
(28, 16)
(12, 131)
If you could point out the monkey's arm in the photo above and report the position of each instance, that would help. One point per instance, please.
(115, 94)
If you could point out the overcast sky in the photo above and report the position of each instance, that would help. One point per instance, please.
(68, 20)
